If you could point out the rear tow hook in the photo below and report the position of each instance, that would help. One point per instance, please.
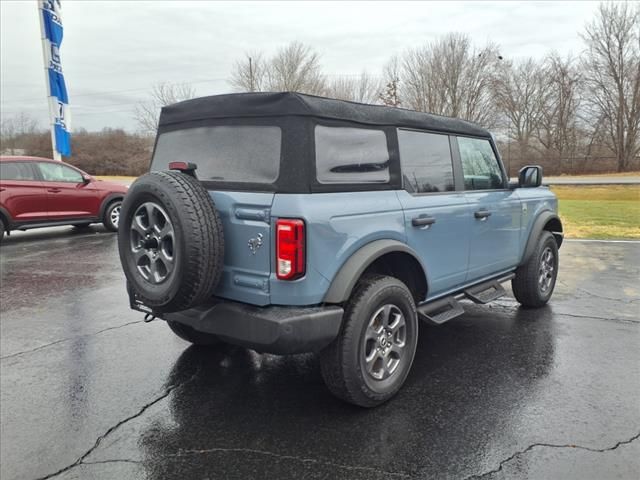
(149, 317)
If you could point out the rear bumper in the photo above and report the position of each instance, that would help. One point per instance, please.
(274, 329)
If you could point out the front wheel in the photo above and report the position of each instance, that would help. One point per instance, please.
(112, 216)
(369, 361)
(535, 280)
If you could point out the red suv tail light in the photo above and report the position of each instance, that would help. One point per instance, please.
(290, 256)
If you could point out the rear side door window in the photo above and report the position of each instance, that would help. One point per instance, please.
(480, 167)
(20, 171)
(351, 155)
(426, 162)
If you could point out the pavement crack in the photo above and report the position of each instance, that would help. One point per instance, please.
(47, 345)
(584, 291)
(182, 453)
(508, 308)
(113, 460)
(622, 320)
(604, 297)
(144, 408)
(551, 445)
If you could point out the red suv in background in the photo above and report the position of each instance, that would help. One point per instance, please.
(39, 192)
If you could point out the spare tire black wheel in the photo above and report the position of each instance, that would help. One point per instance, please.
(170, 241)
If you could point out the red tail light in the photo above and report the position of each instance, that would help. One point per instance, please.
(290, 256)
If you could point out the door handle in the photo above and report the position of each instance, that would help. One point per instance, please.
(422, 221)
(482, 214)
(53, 190)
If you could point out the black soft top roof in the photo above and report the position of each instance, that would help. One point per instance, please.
(239, 105)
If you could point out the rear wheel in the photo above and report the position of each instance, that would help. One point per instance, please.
(111, 217)
(187, 333)
(371, 358)
(535, 280)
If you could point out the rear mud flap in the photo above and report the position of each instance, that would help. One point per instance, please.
(136, 304)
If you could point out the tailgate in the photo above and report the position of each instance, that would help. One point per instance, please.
(247, 249)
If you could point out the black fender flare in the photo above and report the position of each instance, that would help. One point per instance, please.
(538, 227)
(107, 200)
(349, 273)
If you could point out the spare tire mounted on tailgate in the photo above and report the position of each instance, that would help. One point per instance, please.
(170, 241)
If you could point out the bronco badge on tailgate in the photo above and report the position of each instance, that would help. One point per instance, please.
(255, 243)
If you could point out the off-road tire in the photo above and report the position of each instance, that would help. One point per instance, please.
(525, 285)
(198, 241)
(187, 333)
(106, 219)
(341, 365)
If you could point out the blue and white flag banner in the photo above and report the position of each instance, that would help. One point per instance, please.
(52, 32)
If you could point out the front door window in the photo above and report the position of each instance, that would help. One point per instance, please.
(480, 166)
(52, 172)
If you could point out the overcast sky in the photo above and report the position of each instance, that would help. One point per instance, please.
(114, 51)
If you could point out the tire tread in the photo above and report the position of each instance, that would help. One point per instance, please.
(106, 217)
(525, 283)
(339, 378)
(203, 237)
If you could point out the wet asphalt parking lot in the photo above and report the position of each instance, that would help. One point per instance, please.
(88, 390)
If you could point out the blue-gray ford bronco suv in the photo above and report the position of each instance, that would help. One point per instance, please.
(289, 223)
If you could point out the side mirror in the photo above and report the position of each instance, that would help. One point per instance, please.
(530, 176)
(86, 178)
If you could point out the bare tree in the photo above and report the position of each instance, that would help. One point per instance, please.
(390, 94)
(249, 74)
(14, 129)
(363, 88)
(520, 93)
(451, 77)
(296, 68)
(148, 112)
(558, 129)
(612, 75)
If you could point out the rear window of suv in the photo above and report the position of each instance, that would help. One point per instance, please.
(233, 153)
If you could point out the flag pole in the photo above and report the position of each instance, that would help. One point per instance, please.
(52, 107)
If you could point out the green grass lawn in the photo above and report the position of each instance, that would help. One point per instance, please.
(605, 212)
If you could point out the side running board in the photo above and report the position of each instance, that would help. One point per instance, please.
(444, 309)
(485, 293)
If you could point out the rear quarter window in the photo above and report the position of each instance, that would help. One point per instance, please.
(351, 155)
(233, 153)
